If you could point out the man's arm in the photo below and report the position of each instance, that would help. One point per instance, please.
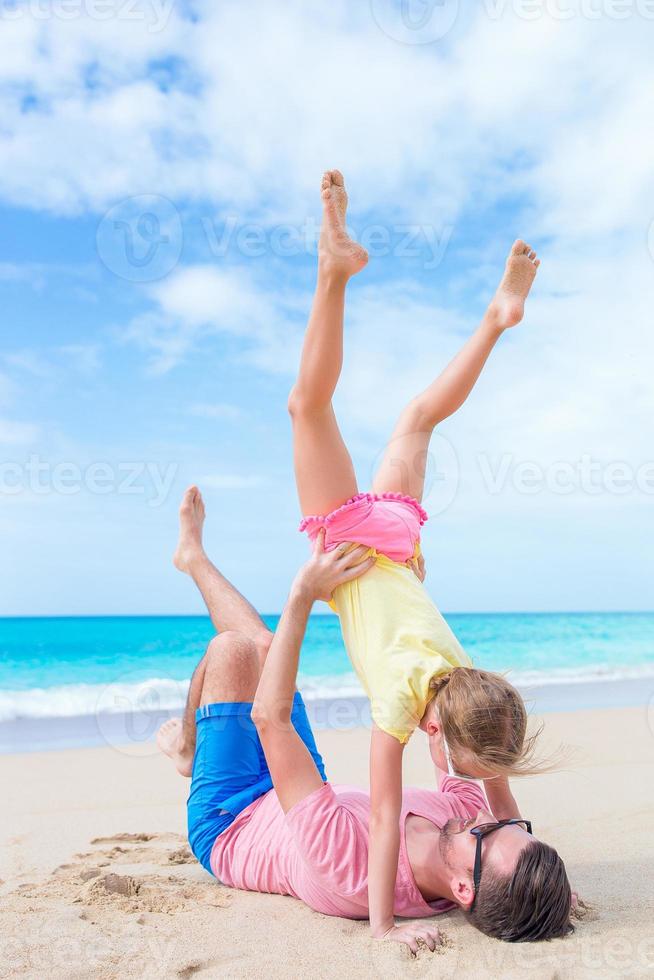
(293, 771)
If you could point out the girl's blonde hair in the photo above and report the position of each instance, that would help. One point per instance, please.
(485, 715)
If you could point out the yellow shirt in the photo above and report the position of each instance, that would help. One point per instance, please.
(397, 641)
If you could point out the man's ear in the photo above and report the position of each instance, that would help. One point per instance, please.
(463, 891)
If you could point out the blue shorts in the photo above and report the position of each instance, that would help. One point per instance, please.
(230, 769)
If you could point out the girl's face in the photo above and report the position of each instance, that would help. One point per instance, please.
(431, 726)
(462, 761)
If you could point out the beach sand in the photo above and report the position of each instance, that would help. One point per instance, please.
(97, 879)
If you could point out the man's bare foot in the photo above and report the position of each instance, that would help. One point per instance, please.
(170, 739)
(337, 253)
(191, 519)
(508, 305)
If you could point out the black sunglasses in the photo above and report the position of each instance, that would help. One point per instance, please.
(483, 830)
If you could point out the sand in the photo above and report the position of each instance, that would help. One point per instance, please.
(97, 879)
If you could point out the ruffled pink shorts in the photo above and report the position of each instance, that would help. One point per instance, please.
(388, 522)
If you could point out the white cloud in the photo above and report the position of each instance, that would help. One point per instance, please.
(197, 302)
(50, 362)
(545, 121)
(219, 410)
(17, 433)
(507, 106)
(230, 481)
(83, 358)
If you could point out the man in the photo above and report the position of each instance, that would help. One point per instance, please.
(263, 817)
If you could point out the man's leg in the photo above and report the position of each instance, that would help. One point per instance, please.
(403, 467)
(228, 671)
(323, 469)
(231, 614)
(229, 610)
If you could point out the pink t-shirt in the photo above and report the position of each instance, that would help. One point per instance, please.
(318, 852)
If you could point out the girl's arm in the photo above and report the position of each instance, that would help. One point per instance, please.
(500, 799)
(293, 771)
(384, 848)
(385, 809)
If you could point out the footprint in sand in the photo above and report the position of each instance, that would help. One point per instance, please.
(128, 850)
(144, 873)
(191, 969)
(582, 911)
(136, 838)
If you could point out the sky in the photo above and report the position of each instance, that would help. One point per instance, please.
(159, 173)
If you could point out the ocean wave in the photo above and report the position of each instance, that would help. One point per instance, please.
(73, 700)
(166, 694)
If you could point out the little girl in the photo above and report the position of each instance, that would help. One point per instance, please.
(411, 665)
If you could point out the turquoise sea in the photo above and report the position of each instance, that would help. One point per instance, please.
(69, 667)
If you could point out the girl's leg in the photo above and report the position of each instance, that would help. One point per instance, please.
(323, 468)
(403, 467)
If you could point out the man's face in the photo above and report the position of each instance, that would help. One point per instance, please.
(499, 852)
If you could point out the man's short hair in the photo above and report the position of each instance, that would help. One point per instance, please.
(530, 904)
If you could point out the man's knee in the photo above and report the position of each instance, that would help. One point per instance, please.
(262, 642)
(233, 668)
(230, 644)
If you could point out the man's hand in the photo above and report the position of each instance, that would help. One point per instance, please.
(326, 570)
(417, 566)
(412, 933)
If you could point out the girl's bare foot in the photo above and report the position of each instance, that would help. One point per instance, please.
(508, 305)
(337, 253)
(191, 519)
(170, 739)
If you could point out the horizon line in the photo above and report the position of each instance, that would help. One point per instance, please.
(332, 615)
